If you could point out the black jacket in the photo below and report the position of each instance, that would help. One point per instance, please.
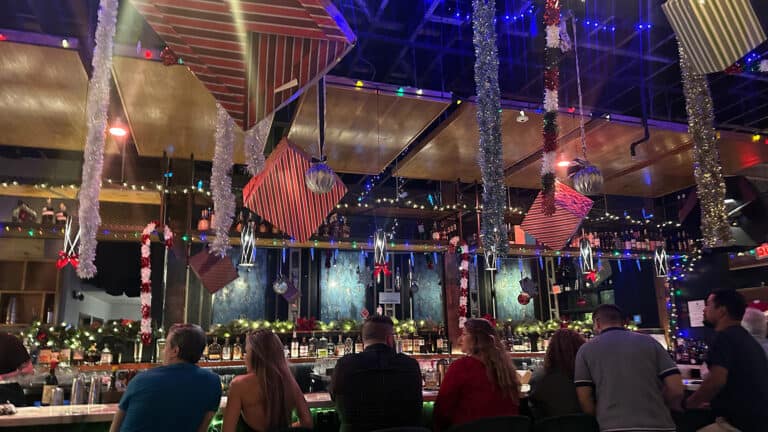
(377, 389)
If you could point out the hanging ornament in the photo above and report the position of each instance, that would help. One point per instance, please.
(552, 52)
(490, 157)
(67, 254)
(319, 177)
(380, 264)
(490, 258)
(146, 273)
(247, 245)
(523, 298)
(660, 261)
(221, 182)
(97, 105)
(585, 256)
(280, 286)
(710, 186)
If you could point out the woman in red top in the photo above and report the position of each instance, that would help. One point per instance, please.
(482, 384)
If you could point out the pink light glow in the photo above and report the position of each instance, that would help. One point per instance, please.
(118, 131)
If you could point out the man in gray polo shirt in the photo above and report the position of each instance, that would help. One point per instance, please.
(626, 379)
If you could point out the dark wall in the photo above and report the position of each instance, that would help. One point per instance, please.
(634, 291)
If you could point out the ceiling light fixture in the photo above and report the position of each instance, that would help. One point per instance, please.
(118, 131)
(522, 118)
(564, 163)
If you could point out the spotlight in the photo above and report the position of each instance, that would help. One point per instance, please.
(118, 131)
(522, 118)
(564, 163)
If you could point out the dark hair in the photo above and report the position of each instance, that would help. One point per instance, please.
(190, 339)
(498, 364)
(561, 353)
(732, 301)
(377, 327)
(608, 314)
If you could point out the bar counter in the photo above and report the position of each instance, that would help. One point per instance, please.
(103, 413)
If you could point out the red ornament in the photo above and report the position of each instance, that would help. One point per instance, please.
(146, 338)
(169, 57)
(591, 276)
(147, 54)
(523, 298)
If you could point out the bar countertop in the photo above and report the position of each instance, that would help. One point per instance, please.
(103, 413)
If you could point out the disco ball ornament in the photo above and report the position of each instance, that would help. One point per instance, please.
(280, 286)
(587, 178)
(523, 299)
(320, 178)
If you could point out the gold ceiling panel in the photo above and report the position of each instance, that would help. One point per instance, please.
(168, 109)
(452, 152)
(364, 130)
(42, 97)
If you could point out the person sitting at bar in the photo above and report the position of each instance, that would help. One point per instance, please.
(754, 322)
(377, 388)
(631, 376)
(179, 396)
(265, 398)
(737, 384)
(552, 390)
(14, 361)
(482, 384)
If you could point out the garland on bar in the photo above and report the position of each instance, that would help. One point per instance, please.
(146, 274)
(463, 283)
(710, 186)
(490, 157)
(221, 181)
(255, 140)
(96, 118)
(551, 104)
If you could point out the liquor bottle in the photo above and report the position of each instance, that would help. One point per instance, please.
(91, 357)
(294, 346)
(51, 382)
(617, 241)
(106, 356)
(78, 356)
(407, 344)
(237, 350)
(322, 347)
(358, 345)
(349, 346)
(339, 347)
(331, 347)
(205, 350)
(304, 348)
(214, 350)
(439, 347)
(633, 240)
(226, 351)
(312, 350)
(627, 240)
(598, 242)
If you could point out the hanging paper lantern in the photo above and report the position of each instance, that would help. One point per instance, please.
(320, 178)
(523, 299)
(587, 178)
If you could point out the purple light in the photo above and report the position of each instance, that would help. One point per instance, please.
(506, 17)
(613, 29)
(587, 22)
(597, 24)
(457, 14)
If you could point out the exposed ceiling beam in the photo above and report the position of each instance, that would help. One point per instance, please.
(646, 163)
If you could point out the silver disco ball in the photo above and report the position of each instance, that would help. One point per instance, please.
(320, 178)
(587, 178)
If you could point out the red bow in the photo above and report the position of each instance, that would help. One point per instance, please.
(381, 268)
(591, 276)
(65, 259)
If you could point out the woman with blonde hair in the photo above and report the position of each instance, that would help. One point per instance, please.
(482, 384)
(552, 390)
(265, 397)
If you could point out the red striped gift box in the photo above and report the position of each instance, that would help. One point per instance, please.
(271, 50)
(554, 231)
(279, 194)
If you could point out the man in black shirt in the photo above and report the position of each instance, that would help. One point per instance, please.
(737, 384)
(14, 361)
(378, 388)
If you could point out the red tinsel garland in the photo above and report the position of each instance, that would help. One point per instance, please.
(463, 283)
(146, 282)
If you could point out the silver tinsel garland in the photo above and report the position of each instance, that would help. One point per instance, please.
(221, 181)
(494, 231)
(710, 185)
(93, 153)
(255, 140)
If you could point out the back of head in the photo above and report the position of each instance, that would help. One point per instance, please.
(190, 339)
(377, 329)
(733, 302)
(755, 323)
(608, 315)
(267, 361)
(561, 353)
(488, 347)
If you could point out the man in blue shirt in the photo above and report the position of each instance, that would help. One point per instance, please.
(179, 396)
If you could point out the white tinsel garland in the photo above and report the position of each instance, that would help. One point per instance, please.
(255, 140)
(548, 163)
(221, 182)
(93, 153)
(551, 100)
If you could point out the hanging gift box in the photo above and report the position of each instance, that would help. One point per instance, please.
(279, 194)
(554, 231)
(714, 35)
(213, 271)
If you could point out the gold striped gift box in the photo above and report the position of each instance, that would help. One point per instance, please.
(715, 33)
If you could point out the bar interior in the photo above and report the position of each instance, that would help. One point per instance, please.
(304, 166)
